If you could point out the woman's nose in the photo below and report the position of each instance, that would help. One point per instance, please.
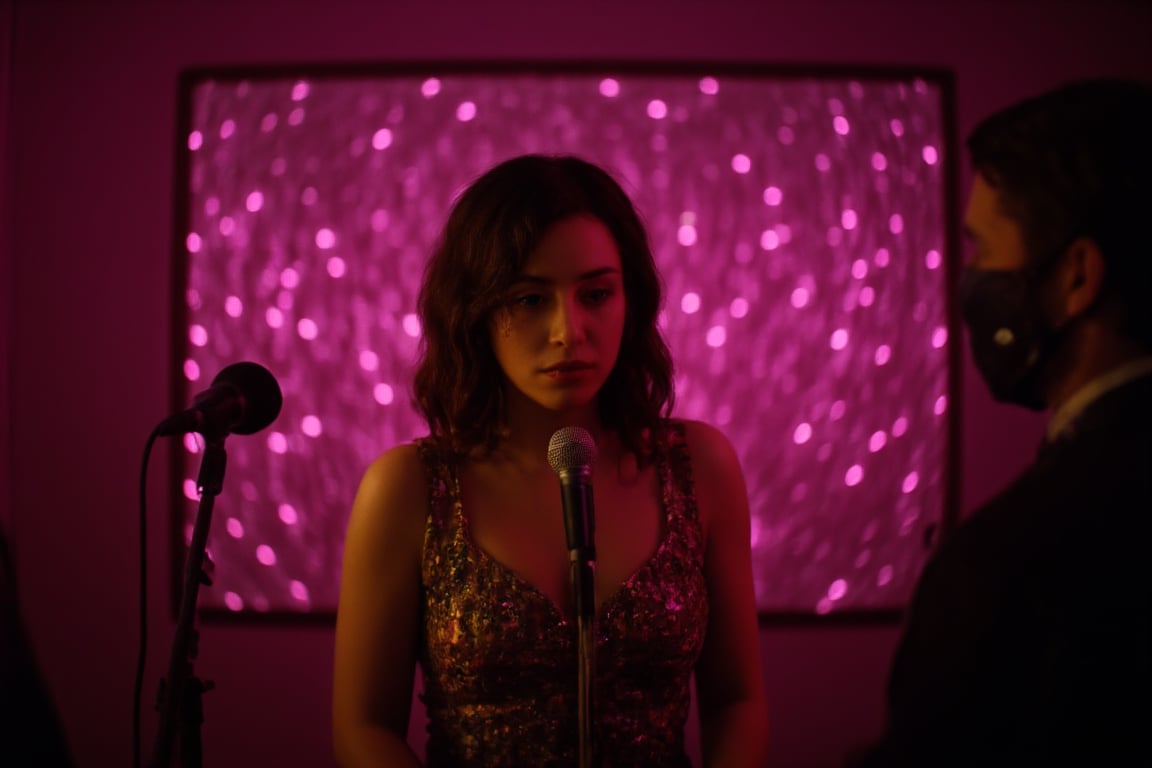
(567, 323)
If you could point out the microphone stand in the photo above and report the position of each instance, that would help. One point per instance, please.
(582, 563)
(180, 694)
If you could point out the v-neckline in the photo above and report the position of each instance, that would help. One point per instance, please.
(524, 584)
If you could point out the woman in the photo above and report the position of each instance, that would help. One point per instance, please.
(539, 310)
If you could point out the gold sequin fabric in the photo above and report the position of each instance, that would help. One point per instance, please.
(500, 660)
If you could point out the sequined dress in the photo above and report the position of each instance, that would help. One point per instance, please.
(500, 660)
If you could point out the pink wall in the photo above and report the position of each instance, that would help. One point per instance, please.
(85, 257)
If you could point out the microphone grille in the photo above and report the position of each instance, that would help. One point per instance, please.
(571, 447)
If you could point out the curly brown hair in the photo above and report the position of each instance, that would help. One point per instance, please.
(492, 228)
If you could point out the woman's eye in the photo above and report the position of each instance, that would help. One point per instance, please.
(528, 300)
(598, 295)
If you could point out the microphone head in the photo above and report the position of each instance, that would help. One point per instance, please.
(571, 448)
(258, 388)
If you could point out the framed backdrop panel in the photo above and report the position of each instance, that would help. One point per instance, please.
(800, 219)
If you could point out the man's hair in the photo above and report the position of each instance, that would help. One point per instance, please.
(1077, 162)
(493, 227)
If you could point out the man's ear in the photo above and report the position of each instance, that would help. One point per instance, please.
(1083, 276)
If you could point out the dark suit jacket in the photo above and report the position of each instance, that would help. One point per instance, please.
(1027, 641)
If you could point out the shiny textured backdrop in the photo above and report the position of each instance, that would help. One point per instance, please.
(799, 223)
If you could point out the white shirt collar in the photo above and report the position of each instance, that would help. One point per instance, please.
(1063, 416)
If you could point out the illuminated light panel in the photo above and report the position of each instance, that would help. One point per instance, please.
(800, 232)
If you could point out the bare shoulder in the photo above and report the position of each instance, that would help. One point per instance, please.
(720, 491)
(392, 500)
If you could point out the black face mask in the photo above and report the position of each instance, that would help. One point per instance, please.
(1011, 342)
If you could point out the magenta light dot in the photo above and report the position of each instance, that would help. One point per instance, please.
(289, 278)
(690, 303)
(337, 267)
(287, 514)
(233, 306)
(383, 394)
(192, 298)
(930, 155)
(899, 427)
(212, 206)
(839, 339)
(369, 360)
(836, 410)
(883, 257)
(190, 489)
(867, 296)
(193, 242)
(190, 443)
(773, 196)
(466, 111)
(235, 528)
(911, 480)
(662, 319)
(382, 139)
(877, 441)
(862, 558)
(311, 426)
(940, 406)
(738, 308)
(299, 90)
(883, 354)
(709, 86)
(834, 236)
(266, 555)
(800, 297)
(741, 163)
(296, 116)
(848, 219)
(824, 606)
(897, 127)
(254, 201)
(430, 87)
(307, 328)
(325, 239)
(309, 196)
(859, 269)
(411, 324)
(785, 135)
(609, 87)
(854, 475)
(932, 259)
(233, 601)
(896, 224)
(227, 128)
(285, 300)
(277, 442)
(822, 163)
(191, 370)
(198, 335)
(686, 235)
(769, 240)
(268, 122)
(869, 531)
(784, 232)
(939, 337)
(299, 591)
(802, 433)
(884, 576)
(379, 220)
(879, 161)
(716, 337)
(195, 140)
(657, 109)
(837, 589)
(840, 125)
(227, 226)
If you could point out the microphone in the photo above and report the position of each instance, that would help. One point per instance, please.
(244, 398)
(571, 454)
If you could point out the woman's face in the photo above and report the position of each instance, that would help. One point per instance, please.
(558, 332)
